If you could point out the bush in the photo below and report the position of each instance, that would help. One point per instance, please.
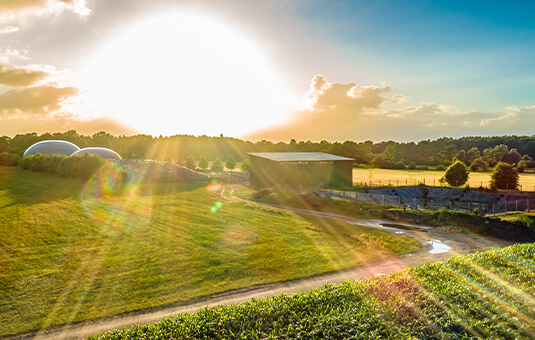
(479, 164)
(216, 165)
(412, 165)
(190, 163)
(37, 162)
(504, 176)
(399, 165)
(521, 166)
(52, 164)
(380, 162)
(245, 165)
(230, 163)
(455, 175)
(87, 165)
(422, 167)
(441, 167)
(203, 163)
(9, 159)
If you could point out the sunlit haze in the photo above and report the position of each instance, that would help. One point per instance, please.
(184, 73)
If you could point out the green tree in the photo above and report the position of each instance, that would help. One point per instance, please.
(456, 174)
(521, 166)
(504, 176)
(230, 163)
(412, 166)
(245, 165)
(479, 164)
(203, 163)
(190, 163)
(216, 165)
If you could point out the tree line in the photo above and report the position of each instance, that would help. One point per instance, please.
(481, 151)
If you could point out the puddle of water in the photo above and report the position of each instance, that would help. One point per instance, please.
(439, 247)
(399, 232)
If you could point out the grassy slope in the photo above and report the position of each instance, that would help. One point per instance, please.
(484, 295)
(69, 252)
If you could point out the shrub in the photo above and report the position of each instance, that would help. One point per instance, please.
(380, 162)
(190, 163)
(245, 165)
(441, 167)
(230, 163)
(203, 163)
(216, 165)
(52, 164)
(399, 165)
(504, 176)
(422, 167)
(456, 174)
(412, 165)
(9, 159)
(37, 162)
(521, 166)
(87, 165)
(479, 164)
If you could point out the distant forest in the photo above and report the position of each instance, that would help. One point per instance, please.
(490, 150)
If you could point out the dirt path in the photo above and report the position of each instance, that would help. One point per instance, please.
(436, 246)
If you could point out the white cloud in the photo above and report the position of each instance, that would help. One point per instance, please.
(22, 10)
(9, 29)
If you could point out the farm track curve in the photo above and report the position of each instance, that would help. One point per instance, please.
(457, 242)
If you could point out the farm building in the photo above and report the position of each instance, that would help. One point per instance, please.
(51, 147)
(299, 169)
(102, 152)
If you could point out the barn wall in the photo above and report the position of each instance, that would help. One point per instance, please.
(268, 173)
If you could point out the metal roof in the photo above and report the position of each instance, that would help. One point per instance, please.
(299, 156)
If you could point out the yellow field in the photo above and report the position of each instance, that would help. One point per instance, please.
(429, 177)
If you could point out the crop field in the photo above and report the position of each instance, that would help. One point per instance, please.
(484, 295)
(429, 177)
(73, 250)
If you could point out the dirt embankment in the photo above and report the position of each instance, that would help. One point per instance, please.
(484, 226)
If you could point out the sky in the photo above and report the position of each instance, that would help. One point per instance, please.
(275, 70)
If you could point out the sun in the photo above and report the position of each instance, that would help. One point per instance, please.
(184, 73)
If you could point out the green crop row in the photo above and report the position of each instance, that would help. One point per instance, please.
(484, 295)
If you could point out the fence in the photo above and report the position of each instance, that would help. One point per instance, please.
(414, 181)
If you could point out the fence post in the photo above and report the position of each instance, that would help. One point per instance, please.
(383, 199)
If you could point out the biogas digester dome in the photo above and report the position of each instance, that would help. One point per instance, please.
(51, 147)
(102, 152)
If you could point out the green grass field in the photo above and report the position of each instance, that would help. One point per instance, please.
(431, 177)
(74, 250)
(486, 295)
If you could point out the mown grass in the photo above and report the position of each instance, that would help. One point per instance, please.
(74, 250)
(485, 295)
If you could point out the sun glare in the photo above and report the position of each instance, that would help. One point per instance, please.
(184, 73)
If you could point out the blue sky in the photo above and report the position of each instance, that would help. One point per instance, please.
(403, 70)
